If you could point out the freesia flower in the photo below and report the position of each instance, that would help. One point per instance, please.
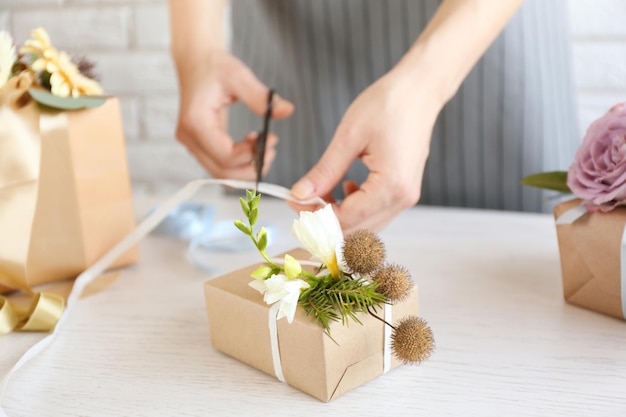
(7, 57)
(598, 174)
(65, 78)
(279, 288)
(320, 234)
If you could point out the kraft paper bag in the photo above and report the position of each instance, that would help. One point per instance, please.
(321, 365)
(65, 196)
(590, 250)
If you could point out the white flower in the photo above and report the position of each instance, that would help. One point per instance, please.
(279, 288)
(320, 234)
(7, 57)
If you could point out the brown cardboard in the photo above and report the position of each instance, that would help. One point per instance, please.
(590, 259)
(83, 203)
(323, 366)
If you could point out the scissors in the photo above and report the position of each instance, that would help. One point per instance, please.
(261, 142)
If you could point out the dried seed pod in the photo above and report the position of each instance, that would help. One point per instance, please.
(394, 281)
(363, 251)
(412, 340)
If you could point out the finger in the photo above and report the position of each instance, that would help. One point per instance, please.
(332, 166)
(349, 187)
(355, 216)
(372, 206)
(202, 132)
(213, 145)
(304, 207)
(253, 93)
(236, 165)
(242, 172)
(244, 152)
(328, 198)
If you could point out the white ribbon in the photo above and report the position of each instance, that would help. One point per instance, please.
(575, 213)
(623, 271)
(271, 321)
(387, 339)
(145, 227)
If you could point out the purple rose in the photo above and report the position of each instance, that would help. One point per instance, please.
(598, 174)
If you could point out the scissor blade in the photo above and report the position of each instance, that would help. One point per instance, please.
(262, 139)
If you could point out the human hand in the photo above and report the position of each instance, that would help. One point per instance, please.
(207, 88)
(388, 126)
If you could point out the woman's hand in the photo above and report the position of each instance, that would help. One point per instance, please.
(388, 127)
(208, 87)
(390, 124)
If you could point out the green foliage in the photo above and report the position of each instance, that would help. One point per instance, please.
(65, 103)
(329, 299)
(554, 180)
(250, 208)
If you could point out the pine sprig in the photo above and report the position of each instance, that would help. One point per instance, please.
(330, 300)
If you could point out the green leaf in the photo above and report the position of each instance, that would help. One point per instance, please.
(254, 215)
(255, 201)
(250, 194)
(245, 207)
(261, 239)
(65, 103)
(554, 180)
(242, 226)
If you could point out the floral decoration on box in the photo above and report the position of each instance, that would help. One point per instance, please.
(598, 174)
(352, 277)
(58, 80)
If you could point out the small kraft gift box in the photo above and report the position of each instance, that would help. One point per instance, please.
(590, 228)
(593, 257)
(341, 329)
(65, 196)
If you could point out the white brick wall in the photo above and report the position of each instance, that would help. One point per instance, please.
(598, 36)
(129, 41)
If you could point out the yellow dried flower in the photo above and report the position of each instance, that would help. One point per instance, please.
(363, 251)
(394, 281)
(412, 340)
(65, 78)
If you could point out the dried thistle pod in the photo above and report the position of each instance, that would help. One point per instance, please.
(412, 340)
(363, 251)
(394, 281)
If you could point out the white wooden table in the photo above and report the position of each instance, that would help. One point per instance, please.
(507, 344)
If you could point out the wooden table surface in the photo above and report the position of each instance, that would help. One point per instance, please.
(507, 344)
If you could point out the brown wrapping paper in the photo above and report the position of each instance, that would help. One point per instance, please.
(65, 196)
(323, 366)
(590, 259)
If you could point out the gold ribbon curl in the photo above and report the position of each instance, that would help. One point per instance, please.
(42, 315)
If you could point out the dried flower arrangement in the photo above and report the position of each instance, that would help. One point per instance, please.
(57, 80)
(352, 277)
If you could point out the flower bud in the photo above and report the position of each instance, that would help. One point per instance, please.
(293, 269)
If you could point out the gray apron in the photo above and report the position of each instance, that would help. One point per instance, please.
(514, 114)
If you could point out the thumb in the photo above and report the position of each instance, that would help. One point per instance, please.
(327, 173)
(253, 93)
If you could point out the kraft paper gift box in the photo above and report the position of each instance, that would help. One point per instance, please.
(590, 248)
(321, 365)
(65, 196)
